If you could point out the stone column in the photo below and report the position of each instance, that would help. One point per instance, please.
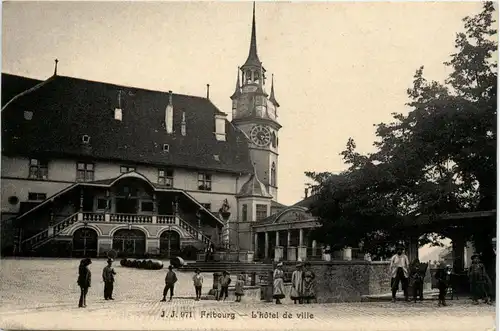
(266, 244)
(278, 250)
(288, 238)
(313, 244)
(301, 237)
(458, 246)
(256, 243)
(412, 247)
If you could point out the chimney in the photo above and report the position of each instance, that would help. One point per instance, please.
(55, 67)
(169, 114)
(208, 91)
(183, 124)
(306, 192)
(118, 110)
(220, 127)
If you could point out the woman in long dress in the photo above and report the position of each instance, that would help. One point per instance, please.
(297, 282)
(278, 284)
(309, 283)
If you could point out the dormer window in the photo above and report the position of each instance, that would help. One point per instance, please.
(166, 148)
(85, 139)
(118, 114)
(28, 115)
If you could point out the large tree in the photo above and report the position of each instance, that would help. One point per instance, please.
(438, 158)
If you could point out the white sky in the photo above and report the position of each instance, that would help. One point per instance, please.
(339, 67)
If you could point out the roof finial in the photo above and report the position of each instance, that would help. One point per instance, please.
(272, 98)
(237, 89)
(253, 58)
(55, 67)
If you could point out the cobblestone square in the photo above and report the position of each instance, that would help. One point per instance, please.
(42, 294)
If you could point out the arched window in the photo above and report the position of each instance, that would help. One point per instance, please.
(273, 174)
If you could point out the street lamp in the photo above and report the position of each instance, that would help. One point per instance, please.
(169, 235)
(85, 234)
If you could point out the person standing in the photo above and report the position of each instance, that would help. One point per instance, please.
(108, 277)
(198, 283)
(399, 273)
(442, 284)
(84, 281)
(170, 280)
(417, 279)
(225, 280)
(238, 288)
(479, 281)
(278, 284)
(309, 283)
(297, 284)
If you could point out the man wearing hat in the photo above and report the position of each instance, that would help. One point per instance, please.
(479, 280)
(170, 280)
(108, 277)
(225, 280)
(399, 269)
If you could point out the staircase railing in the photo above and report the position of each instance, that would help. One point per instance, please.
(45, 236)
(193, 232)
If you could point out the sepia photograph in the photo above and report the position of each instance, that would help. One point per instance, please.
(267, 165)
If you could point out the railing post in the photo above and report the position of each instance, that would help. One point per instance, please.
(177, 220)
(50, 231)
(107, 217)
(153, 219)
(80, 216)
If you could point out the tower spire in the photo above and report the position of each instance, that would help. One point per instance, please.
(237, 89)
(272, 98)
(253, 58)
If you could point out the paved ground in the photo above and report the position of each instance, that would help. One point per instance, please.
(42, 294)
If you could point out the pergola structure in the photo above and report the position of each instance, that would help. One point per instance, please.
(455, 226)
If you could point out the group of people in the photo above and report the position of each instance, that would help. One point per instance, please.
(84, 280)
(406, 274)
(303, 284)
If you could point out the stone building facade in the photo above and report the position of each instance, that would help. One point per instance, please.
(100, 166)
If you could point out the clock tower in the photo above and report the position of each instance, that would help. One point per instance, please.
(255, 113)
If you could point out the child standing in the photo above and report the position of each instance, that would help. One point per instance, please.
(442, 284)
(198, 283)
(238, 288)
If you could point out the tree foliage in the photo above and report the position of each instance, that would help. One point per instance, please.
(438, 158)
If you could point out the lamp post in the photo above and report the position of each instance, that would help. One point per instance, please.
(85, 234)
(169, 236)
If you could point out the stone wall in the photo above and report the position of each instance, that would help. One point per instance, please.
(342, 281)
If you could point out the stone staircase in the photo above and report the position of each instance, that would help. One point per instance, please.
(48, 234)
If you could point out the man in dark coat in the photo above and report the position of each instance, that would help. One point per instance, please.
(84, 281)
(108, 277)
(170, 280)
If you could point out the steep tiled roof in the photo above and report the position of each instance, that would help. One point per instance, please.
(276, 204)
(254, 188)
(65, 109)
(307, 202)
(13, 85)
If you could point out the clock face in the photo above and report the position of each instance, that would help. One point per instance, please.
(260, 135)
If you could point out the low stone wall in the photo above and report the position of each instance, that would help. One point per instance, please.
(343, 281)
